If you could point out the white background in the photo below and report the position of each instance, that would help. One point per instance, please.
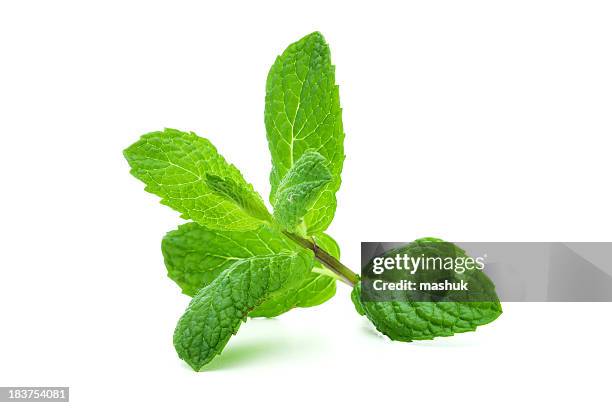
(472, 120)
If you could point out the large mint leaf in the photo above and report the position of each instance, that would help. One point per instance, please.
(299, 189)
(416, 320)
(217, 310)
(303, 113)
(195, 256)
(188, 173)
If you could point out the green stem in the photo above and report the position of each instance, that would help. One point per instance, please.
(345, 274)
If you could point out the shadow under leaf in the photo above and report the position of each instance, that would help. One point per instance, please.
(263, 343)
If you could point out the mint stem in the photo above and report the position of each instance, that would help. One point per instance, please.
(346, 275)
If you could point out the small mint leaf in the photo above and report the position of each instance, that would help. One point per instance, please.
(299, 190)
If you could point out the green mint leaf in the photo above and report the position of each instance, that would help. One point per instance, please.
(195, 256)
(217, 310)
(314, 290)
(326, 242)
(189, 175)
(299, 189)
(411, 320)
(303, 113)
(407, 321)
(317, 287)
(239, 194)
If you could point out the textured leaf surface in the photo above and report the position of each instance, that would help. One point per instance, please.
(303, 113)
(195, 256)
(314, 290)
(188, 173)
(299, 189)
(217, 310)
(317, 287)
(409, 320)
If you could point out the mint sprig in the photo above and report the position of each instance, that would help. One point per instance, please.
(236, 258)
